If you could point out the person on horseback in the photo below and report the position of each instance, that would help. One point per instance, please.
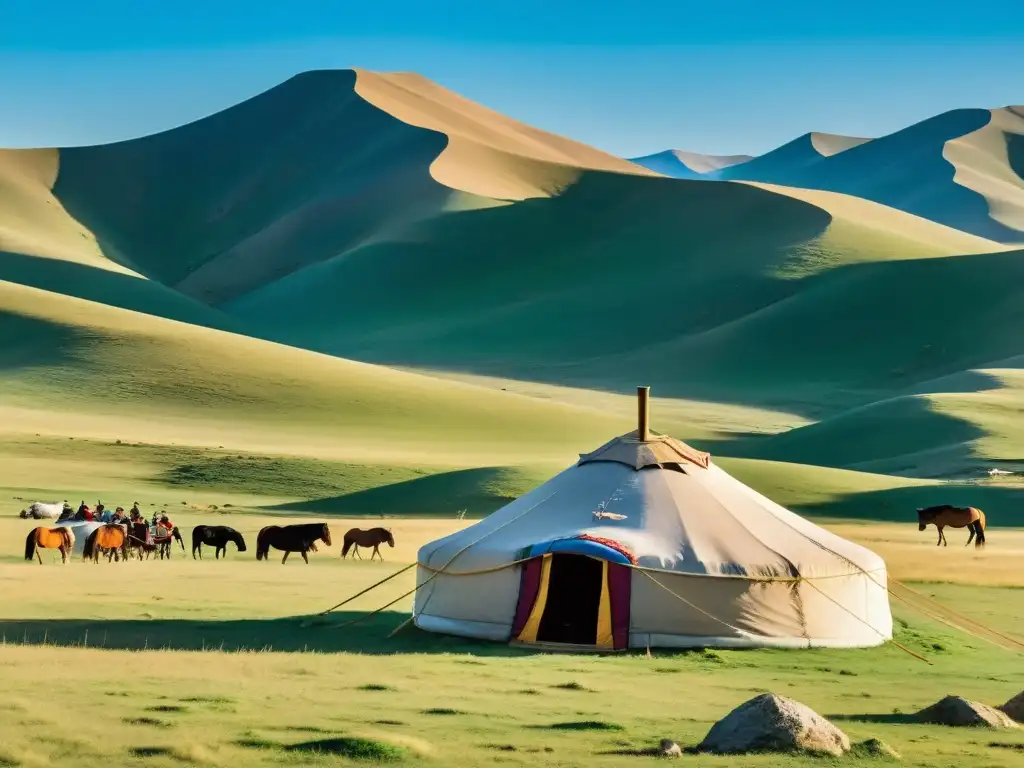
(103, 514)
(164, 526)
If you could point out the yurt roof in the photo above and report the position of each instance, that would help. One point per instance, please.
(656, 451)
(642, 448)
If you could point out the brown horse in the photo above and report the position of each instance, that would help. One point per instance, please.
(954, 517)
(49, 538)
(111, 539)
(374, 537)
(291, 538)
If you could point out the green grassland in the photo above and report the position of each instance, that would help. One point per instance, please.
(233, 676)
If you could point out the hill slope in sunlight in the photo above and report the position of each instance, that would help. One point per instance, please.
(213, 285)
(80, 367)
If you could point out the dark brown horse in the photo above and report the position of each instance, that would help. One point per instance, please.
(140, 541)
(954, 517)
(291, 538)
(49, 538)
(374, 537)
(216, 536)
(110, 539)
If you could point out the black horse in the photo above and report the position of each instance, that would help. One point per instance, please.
(216, 536)
(291, 538)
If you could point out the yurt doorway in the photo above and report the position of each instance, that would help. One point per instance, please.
(573, 600)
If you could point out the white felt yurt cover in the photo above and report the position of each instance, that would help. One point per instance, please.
(711, 561)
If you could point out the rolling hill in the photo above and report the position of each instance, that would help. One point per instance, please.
(556, 301)
(963, 168)
(210, 289)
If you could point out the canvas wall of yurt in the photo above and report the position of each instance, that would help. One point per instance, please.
(645, 542)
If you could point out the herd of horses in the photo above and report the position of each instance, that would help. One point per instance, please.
(114, 541)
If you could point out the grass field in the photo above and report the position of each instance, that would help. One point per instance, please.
(230, 676)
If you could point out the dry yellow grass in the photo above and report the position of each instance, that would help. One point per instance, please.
(911, 555)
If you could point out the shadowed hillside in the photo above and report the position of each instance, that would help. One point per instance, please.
(322, 164)
(962, 168)
(44, 247)
(211, 286)
(541, 291)
(80, 367)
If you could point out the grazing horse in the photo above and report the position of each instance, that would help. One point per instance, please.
(216, 536)
(954, 517)
(111, 539)
(291, 538)
(374, 537)
(49, 538)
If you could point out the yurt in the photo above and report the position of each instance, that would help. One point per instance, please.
(645, 542)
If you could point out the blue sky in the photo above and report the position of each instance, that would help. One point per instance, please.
(631, 78)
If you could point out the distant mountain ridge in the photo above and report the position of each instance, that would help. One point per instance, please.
(963, 168)
(688, 165)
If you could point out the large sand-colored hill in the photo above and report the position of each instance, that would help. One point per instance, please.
(213, 285)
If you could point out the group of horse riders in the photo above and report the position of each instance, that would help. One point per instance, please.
(161, 526)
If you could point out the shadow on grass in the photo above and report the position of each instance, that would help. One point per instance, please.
(583, 725)
(477, 491)
(890, 718)
(286, 635)
(1007, 745)
(643, 752)
(351, 748)
(144, 752)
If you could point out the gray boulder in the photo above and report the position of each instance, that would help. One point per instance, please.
(958, 711)
(1015, 707)
(770, 723)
